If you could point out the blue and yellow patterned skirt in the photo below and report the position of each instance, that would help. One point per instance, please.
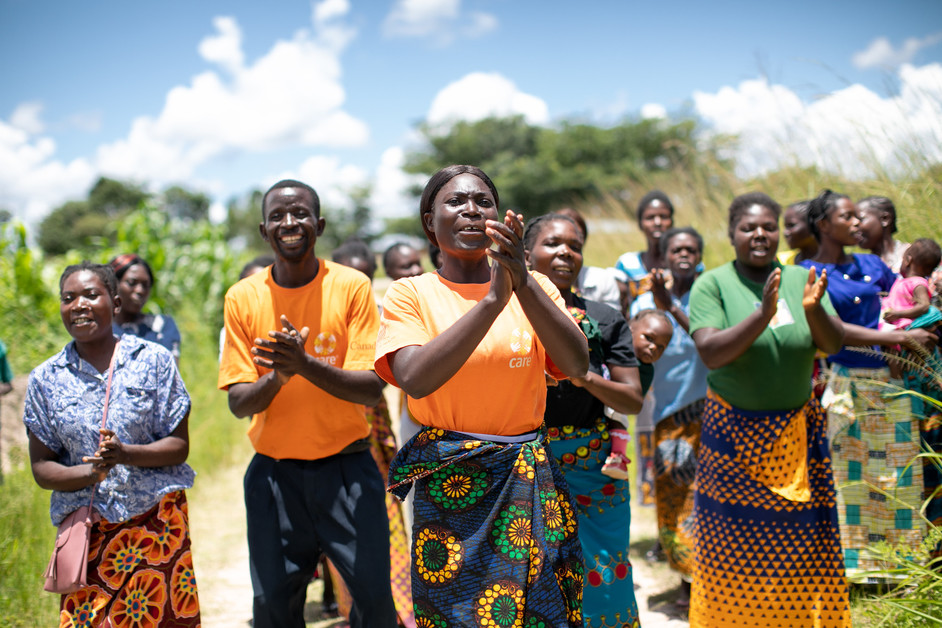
(767, 545)
(494, 539)
(604, 508)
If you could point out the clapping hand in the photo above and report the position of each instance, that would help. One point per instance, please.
(284, 352)
(662, 298)
(510, 261)
(770, 293)
(815, 288)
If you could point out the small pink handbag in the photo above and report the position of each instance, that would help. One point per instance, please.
(67, 570)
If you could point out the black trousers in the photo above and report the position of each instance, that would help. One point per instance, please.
(297, 509)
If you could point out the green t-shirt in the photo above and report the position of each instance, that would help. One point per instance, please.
(775, 372)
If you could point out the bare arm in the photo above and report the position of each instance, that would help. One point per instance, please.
(51, 474)
(719, 347)
(422, 369)
(857, 336)
(827, 332)
(166, 451)
(622, 392)
(921, 303)
(565, 344)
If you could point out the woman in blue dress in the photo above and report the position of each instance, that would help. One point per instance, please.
(135, 282)
(874, 435)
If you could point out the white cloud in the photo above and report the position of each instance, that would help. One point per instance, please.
(440, 20)
(332, 180)
(31, 180)
(881, 54)
(291, 96)
(390, 196)
(654, 111)
(87, 121)
(479, 95)
(26, 117)
(852, 131)
(225, 48)
(329, 10)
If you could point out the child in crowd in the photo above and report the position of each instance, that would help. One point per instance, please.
(910, 297)
(651, 332)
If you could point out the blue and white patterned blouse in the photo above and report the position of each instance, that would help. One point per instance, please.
(158, 328)
(63, 407)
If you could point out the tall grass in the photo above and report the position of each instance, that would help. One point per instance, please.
(702, 189)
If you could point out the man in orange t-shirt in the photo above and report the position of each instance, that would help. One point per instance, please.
(300, 339)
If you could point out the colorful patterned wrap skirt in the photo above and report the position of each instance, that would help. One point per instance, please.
(874, 443)
(604, 509)
(924, 378)
(676, 443)
(140, 573)
(494, 539)
(767, 545)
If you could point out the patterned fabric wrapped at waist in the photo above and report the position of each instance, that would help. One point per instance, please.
(433, 449)
(494, 532)
(774, 452)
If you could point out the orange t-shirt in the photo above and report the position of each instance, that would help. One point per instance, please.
(303, 422)
(501, 389)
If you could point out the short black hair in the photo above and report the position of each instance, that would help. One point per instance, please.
(258, 262)
(535, 226)
(650, 197)
(292, 183)
(744, 201)
(434, 254)
(645, 313)
(676, 231)
(880, 204)
(352, 248)
(818, 209)
(438, 181)
(926, 253)
(102, 271)
(388, 253)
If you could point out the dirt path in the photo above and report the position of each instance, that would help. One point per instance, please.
(221, 555)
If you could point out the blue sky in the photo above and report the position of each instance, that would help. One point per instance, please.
(228, 96)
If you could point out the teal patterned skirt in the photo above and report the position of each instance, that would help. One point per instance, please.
(604, 513)
(494, 539)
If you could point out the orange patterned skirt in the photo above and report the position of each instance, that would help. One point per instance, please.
(767, 545)
(140, 573)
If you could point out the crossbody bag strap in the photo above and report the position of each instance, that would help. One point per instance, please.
(104, 418)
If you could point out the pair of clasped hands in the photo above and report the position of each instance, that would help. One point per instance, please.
(283, 352)
(509, 273)
(110, 452)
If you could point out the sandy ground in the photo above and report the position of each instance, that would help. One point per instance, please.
(217, 521)
(221, 560)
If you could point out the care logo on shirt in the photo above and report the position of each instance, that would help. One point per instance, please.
(324, 345)
(521, 342)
